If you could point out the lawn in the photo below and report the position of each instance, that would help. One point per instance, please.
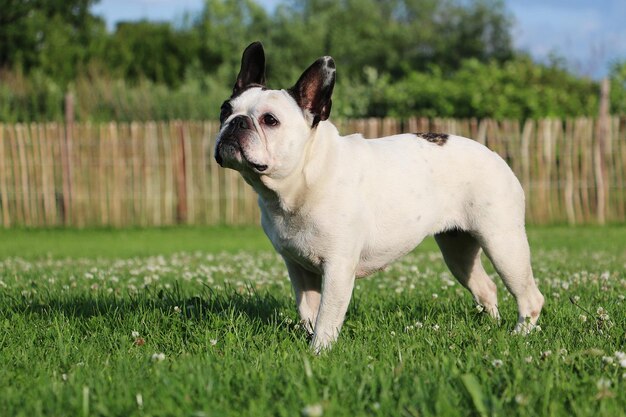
(202, 322)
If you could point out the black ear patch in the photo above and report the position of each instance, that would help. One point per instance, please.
(314, 89)
(252, 72)
(436, 138)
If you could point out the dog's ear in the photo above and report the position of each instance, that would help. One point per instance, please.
(314, 89)
(252, 70)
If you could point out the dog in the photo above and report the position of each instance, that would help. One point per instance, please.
(337, 208)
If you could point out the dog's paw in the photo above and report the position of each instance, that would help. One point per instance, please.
(491, 311)
(525, 326)
(320, 345)
(308, 326)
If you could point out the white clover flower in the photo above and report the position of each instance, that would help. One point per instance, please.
(435, 327)
(213, 342)
(435, 296)
(582, 318)
(603, 384)
(496, 363)
(134, 333)
(158, 357)
(176, 309)
(313, 410)
(546, 354)
(528, 359)
(521, 399)
(602, 314)
(419, 324)
(607, 359)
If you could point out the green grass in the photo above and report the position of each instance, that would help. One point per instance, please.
(218, 333)
(126, 243)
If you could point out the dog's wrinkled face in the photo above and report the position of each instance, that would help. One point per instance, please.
(260, 130)
(263, 131)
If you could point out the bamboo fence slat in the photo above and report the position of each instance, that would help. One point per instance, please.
(4, 197)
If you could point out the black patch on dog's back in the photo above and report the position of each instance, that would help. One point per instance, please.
(436, 138)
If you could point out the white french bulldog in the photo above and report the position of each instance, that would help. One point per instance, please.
(342, 207)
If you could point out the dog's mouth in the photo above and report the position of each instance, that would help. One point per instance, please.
(237, 149)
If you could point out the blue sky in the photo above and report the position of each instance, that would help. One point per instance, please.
(588, 34)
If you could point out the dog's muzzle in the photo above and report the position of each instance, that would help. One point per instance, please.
(231, 137)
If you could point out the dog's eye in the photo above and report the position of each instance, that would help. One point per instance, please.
(270, 120)
(225, 112)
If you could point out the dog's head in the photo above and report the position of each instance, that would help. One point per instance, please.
(264, 131)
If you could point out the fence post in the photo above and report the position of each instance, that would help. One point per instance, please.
(181, 180)
(4, 199)
(602, 135)
(66, 150)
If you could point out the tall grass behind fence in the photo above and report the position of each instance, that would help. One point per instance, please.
(154, 174)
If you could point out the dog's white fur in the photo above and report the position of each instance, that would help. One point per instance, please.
(338, 207)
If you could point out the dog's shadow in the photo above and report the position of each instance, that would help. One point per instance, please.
(260, 307)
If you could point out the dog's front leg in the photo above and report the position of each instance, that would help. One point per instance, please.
(337, 286)
(307, 287)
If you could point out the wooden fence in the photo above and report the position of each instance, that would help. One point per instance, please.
(153, 174)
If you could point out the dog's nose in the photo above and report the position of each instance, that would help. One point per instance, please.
(241, 122)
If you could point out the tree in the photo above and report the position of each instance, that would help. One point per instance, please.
(152, 50)
(224, 28)
(54, 36)
(392, 36)
(617, 76)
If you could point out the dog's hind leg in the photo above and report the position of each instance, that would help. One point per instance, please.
(461, 252)
(509, 252)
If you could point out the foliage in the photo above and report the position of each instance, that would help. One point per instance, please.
(516, 89)
(450, 58)
(618, 87)
(56, 37)
(124, 323)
